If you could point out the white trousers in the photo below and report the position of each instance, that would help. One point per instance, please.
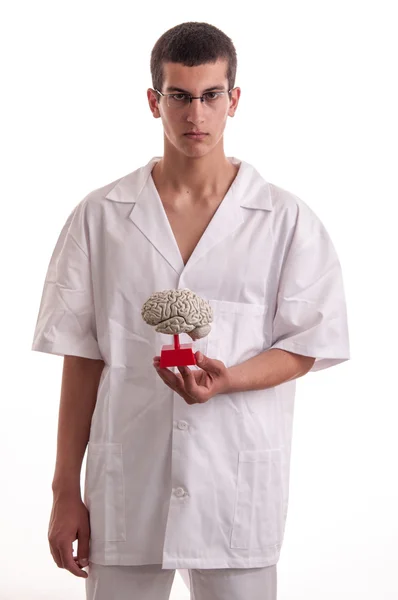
(151, 582)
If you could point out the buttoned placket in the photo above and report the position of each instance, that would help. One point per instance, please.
(180, 492)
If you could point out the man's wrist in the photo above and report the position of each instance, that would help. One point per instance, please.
(66, 487)
(233, 382)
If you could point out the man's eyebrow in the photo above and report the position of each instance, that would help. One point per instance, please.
(176, 89)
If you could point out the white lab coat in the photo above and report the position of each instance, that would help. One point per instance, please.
(203, 485)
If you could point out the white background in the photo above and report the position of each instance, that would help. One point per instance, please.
(318, 117)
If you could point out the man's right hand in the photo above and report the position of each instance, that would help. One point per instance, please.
(69, 521)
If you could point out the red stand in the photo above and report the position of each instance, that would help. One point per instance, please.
(178, 355)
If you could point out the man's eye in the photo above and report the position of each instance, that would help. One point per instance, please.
(211, 95)
(179, 96)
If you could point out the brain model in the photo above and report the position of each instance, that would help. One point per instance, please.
(178, 311)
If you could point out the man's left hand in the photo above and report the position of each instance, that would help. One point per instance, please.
(196, 385)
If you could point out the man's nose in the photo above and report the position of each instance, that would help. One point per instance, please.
(196, 109)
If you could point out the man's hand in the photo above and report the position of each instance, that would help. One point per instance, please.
(69, 521)
(196, 385)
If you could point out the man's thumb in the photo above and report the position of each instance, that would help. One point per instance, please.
(204, 361)
(83, 544)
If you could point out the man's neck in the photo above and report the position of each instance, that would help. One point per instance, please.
(195, 178)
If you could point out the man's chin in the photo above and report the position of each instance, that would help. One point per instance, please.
(194, 152)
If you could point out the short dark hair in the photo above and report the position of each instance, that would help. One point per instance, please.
(192, 44)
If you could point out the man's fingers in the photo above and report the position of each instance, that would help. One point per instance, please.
(194, 393)
(184, 383)
(167, 376)
(56, 556)
(83, 544)
(173, 379)
(189, 380)
(66, 552)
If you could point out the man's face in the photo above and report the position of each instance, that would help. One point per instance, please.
(196, 116)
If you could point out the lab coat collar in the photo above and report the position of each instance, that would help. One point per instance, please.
(248, 190)
(129, 187)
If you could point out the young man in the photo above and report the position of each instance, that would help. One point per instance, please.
(188, 469)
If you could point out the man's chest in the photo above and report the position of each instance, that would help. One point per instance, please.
(229, 262)
(189, 225)
(222, 252)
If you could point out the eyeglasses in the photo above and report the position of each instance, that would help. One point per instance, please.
(181, 100)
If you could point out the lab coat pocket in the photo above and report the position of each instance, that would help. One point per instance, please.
(258, 515)
(237, 331)
(104, 491)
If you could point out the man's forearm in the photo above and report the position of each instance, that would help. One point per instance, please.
(268, 369)
(80, 380)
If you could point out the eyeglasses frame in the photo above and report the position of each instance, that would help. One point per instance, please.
(201, 98)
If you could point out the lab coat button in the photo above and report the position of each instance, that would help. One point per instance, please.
(182, 425)
(179, 492)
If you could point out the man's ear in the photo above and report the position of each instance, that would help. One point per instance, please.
(235, 95)
(153, 102)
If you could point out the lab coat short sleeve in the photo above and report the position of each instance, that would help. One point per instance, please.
(311, 315)
(66, 320)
